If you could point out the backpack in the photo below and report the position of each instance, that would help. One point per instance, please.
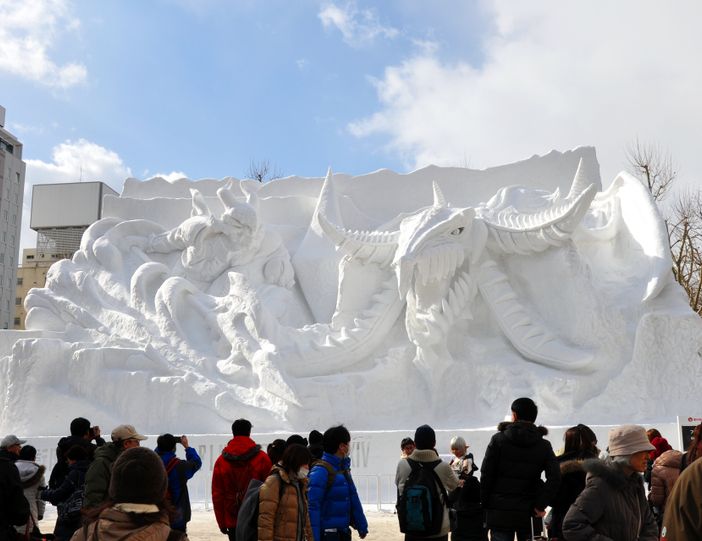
(247, 519)
(420, 508)
(172, 463)
(331, 472)
(69, 510)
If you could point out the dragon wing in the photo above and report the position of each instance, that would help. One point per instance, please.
(623, 229)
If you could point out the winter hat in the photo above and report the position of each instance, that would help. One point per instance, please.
(9, 441)
(425, 437)
(626, 440)
(661, 446)
(138, 476)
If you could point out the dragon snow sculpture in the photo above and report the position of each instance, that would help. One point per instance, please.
(214, 303)
(436, 260)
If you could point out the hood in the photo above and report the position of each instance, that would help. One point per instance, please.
(521, 433)
(29, 472)
(285, 476)
(572, 466)
(669, 459)
(424, 455)
(338, 463)
(67, 442)
(109, 451)
(611, 473)
(240, 448)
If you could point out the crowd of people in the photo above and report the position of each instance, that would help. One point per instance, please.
(301, 489)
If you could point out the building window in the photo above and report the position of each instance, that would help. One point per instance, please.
(30, 257)
(20, 280)
(18, 322)
(18, 301)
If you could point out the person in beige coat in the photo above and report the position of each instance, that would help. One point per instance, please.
(425, 441)
(282, 502)
(136, 509)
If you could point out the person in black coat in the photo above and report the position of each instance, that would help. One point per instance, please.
(82, 435)
(580, 445)
(512, 491)
(68, 497)
(14, 507)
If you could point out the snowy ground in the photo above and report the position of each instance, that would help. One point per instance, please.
(383, 526)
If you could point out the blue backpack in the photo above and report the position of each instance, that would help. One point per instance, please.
(420, 508)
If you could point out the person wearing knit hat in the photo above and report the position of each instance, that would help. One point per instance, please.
(613, 504)
(425, 456)
(137, 501)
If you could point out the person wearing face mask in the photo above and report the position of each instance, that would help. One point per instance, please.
(282, 506)
(613, 504)
(335, 507)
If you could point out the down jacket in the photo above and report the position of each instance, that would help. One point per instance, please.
(572, 484)
(241, 460)
(116, 525)
(97, 479)
(280, 516)
(32, 478)
(612, 507)
(510, 478)
(443, 471)
(336, 507)
(666, 470)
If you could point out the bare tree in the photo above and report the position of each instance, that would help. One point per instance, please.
(655, 170)
(685, 235)
(653, 167)
(262, 171)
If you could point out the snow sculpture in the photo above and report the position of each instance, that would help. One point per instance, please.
(273, 303)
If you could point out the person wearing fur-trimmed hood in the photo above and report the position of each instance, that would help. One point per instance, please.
(511, 489)
(613, 504)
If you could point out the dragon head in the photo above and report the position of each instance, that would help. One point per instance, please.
(431, 246)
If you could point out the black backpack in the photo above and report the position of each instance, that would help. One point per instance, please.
(421, 505)
(247, 519)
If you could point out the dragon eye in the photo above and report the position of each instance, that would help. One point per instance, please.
(457, 231)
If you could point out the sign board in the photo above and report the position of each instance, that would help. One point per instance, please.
(686, 426)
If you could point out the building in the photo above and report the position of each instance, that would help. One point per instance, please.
(12, 170)
(60, 215)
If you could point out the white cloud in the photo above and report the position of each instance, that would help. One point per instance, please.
(359, 27)
(71, 162)
(28, 31)
(554, 75)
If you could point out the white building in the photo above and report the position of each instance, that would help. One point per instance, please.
(12, 170)
(60, 215)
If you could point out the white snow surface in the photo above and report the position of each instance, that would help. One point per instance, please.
(382, 300)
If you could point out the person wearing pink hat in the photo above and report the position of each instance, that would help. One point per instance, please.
(613, 504)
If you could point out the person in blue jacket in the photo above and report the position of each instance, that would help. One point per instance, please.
(179, 471)
(334, 505)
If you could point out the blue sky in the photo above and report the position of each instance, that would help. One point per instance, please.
(202, 88)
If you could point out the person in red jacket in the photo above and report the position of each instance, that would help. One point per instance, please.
(241, 460)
